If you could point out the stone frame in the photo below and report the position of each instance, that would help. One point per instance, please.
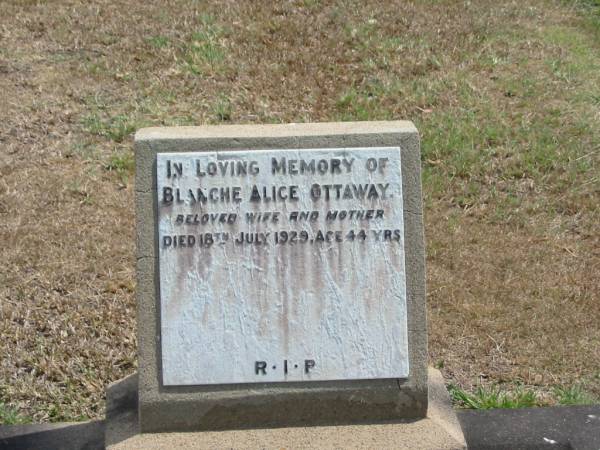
(214, 407)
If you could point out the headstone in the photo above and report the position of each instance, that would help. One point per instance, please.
(281, 276)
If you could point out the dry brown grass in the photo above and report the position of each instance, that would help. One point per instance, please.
(505, 95)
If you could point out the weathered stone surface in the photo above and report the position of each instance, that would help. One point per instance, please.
(396, 389)
(281, 265)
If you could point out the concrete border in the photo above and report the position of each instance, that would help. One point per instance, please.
(276, 404)
(440, 430)
(549, 428)
(53, 436)
(552, 428)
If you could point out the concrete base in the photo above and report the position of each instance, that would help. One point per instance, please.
(422, 434)
(439, 430)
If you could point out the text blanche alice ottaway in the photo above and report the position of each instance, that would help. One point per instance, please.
(286, 193)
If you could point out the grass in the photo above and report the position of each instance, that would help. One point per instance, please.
(204, 50)
(121, 162)
(158, 41)
(11, 416)
(574, 395)
(116, 128)
(505, 96)
(222, 109)
(493, 397)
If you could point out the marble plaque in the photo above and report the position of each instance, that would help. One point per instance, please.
(281, 265)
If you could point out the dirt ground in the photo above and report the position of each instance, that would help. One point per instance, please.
(506, 95)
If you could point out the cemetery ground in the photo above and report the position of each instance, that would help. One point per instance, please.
(506, 96)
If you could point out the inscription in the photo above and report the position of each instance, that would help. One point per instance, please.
(266, 254)
(279, 237)
(274, 194)
(261, 367)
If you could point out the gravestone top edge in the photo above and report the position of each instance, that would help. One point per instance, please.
(275, 130)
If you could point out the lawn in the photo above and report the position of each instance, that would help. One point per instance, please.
(506, 96)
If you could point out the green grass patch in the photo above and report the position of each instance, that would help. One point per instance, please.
(459, 138)
(116, 128)
(222, 109)
(158, 41)
(575, 61)
(494, 397)
(205, 51)
(11, 416)
(366, 102)
(573, 395)
(122, 163)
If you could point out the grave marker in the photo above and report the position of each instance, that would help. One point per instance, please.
(280, 275)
